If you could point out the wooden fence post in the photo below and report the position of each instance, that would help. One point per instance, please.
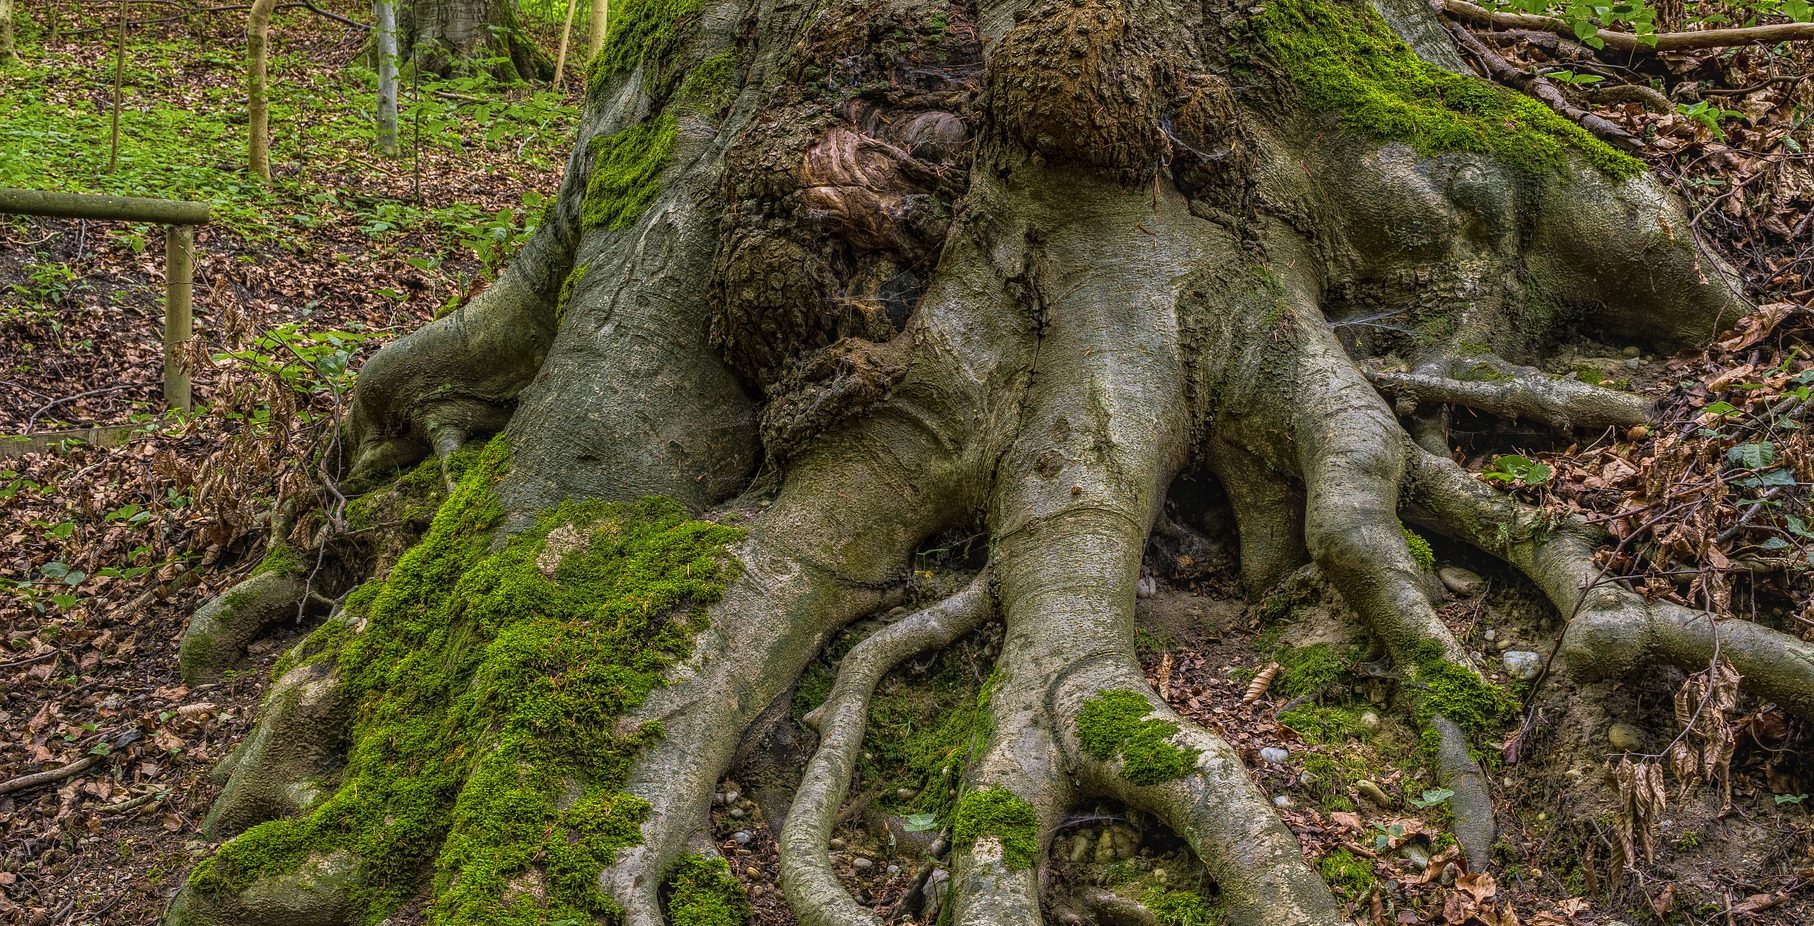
(179, 294)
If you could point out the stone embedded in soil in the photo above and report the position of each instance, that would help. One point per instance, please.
(1464, 582)
(1274, 754)
(1416, 855)
(1372, 792)
(1625, 737)
(742, 837)
(1522, 664)
(1369, 720)
(861, 864)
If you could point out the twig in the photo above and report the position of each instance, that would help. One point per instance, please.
(116, 387)
(1542, 88)
(1626, 41)
(43, 778)
(28, 660)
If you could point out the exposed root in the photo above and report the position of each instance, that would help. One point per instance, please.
(811, 886)
(219, 631)
(280, 768)
(1610, 629)
(1472, 803)
(1211, 802)
(1510, 391)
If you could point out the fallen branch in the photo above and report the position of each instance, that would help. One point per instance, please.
(43, 778)
(1626, 41)
(1543, 89)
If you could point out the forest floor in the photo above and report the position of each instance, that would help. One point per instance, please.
(105, 551)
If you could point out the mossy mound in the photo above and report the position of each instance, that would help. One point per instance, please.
(1002, 815)
(1343, 58)
(487, 681)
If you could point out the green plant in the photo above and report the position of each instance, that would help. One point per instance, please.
(1709, 114)
(1518, 470)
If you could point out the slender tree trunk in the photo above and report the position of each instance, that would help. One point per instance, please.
(119, 70)
(601, 22)
(385, 28)
(258, 101)
(861, 276)
(560, 58)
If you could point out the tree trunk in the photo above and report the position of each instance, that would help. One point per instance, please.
(601, 21)
(446, 37)
(258, 94)
(8, 53)
(385, 32)
(821, 289)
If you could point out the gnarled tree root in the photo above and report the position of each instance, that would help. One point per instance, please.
(219, 631)
(807, 877)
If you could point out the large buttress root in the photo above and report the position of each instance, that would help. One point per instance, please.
(1511, 391)
(806, 873)
(1609, 630)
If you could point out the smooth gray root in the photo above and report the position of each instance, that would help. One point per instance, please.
(1610, 630)
(281, 767)
(811, 886)
(1510, 391)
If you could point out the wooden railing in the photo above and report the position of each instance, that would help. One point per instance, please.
(179, 219)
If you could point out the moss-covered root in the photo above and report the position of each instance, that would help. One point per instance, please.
(280, 769)
(807, 877)
(1121, 740)
(1610, 630)
(218, 632)
(1493, 386)
(316, 893)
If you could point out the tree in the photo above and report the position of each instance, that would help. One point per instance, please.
(8, 53)
(384, 29)
(447, 36)
(819, 293)
(258, 87)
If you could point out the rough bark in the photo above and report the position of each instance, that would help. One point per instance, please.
(456, 36)
(852, 275)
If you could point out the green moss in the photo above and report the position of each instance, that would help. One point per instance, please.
(1344, 59)
(922, 732)
(626, 172)
(560, 305)
(710, 87)
(1478, 707)
(1348, 874)
(486, 683)
(1307, 671)
(414, 497)
(647, 32)
(1323, 725)
(1421, 554)
(281, 559)
(1002, 814)
(1180, 908)
(1114, 724)
(703, 892)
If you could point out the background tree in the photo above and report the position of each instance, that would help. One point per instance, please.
(384, 34)
(8, 53)
(258, 88)
(451, 36)
(821, 291)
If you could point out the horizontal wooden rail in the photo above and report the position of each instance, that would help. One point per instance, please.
(179, 259)
(103, 208)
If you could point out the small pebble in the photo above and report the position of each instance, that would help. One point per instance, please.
(1522, 664)
(1631, 351)
(731, 796)
(742, 837)
(1372, 792)
(1633, 364)
(894, 870)
(836, 843)
(1416, 855)
(861, 864)
(1274, 754)
(1463, 582)
(753, 873)
(737, 813)
(906, 794)
(1281, 800)
(1369, 720)
(1147, 587)
(1625, 737)
(1489, 635)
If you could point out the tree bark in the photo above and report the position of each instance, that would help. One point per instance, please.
(385, 32)
(8, 53)
(447, 37)
(258, 102)
(855, 279)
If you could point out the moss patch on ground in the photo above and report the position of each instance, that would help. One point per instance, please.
(1343, 58)
(703, 892)
(1003, 815)
(1114, 724)
(626, 172)
(486, 683)
(1478, 707)
(1349, 875)
(1308, 671)
(1180, 908)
